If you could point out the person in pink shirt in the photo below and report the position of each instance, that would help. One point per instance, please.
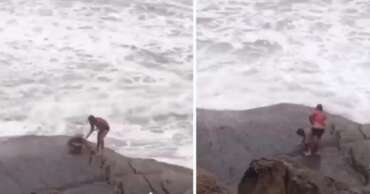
(103, 128)
(318, 123)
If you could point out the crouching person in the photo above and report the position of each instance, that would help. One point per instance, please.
(307, 140)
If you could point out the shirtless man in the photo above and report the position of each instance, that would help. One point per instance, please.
(318, 122)
(103, 128)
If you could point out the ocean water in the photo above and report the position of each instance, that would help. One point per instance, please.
(128, 61)
(262, 52)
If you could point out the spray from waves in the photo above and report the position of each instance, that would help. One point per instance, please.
(259, 53)
(126, 61)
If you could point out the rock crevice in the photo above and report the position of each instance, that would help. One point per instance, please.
(282, 177)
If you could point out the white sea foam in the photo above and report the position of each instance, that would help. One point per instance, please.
(257, 53)
(127, 61)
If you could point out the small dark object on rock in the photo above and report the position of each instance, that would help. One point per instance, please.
(76, 144)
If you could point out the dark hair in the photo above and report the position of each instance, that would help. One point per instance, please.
(91, 119)
(300, 132)
(319, 107)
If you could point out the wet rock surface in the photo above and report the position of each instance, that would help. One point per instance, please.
(283, 177)
(228, 142)
(44, 165)
(207, 183)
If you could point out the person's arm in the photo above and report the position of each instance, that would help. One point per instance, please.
(91, 130)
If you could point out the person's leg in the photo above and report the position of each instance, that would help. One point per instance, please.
(316, 146)
(102, 136)
(320, 132)
(315, 139)
(307, 149)
(306, 145)
(98, 141)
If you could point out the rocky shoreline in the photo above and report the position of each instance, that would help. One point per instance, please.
(232, 143)
(43, 165)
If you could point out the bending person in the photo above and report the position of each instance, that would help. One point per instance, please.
(103, 128)
(306, 135)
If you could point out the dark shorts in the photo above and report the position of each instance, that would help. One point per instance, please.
(317, 132)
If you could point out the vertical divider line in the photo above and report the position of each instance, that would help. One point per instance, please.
(194, 95)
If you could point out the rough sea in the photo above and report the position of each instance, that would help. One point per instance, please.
(128, 61)
(263, 52)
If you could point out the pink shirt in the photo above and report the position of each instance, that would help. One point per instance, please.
(318, 119)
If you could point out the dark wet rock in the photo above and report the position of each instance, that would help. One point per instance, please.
(332, 163)
(349, 133)
(207, 183)
(359, 158)
(227, 141)
(44, 165)
(283, 177)
(365, 129)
